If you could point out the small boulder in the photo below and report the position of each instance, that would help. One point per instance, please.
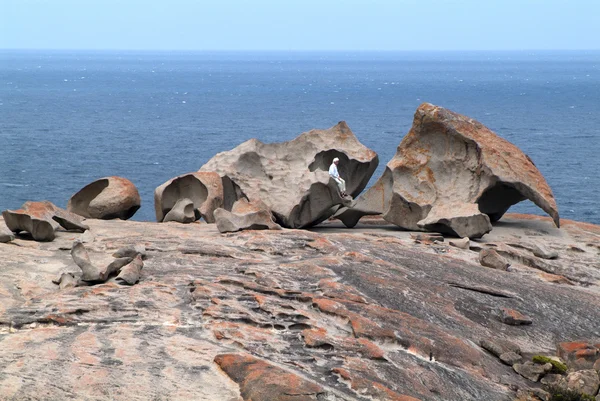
(5, 234)
(532, 371)
(67, 280)
(106, 198)
(462, 243)
(245, 216)
(510, 358)
(130, 273)
(498, 346)
(513, 317)
(182, 212)
(543, 252)
(203, 189)
(491, 258)
(584, 381)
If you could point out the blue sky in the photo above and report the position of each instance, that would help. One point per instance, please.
(300, 24)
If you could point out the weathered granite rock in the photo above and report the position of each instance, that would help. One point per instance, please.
(67, 280)
(499, 346)
(262, 381)
(510, 358)
(532, 371)
(130, 251)
(490, 258)
(462, 243)
(584, 381)
(131, 272)
(514, 317)
(91, 272)
(41, 219)
(580, 355)
(245, 216)
(182, 212)
(292, 178)
(106, 198)
(453, 175)
(368, 314)
(203, 188)
(5, 234)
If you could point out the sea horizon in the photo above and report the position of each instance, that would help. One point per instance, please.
(116, 105)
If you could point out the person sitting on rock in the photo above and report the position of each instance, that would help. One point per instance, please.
(333, 172)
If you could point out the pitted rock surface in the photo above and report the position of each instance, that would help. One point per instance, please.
(203, 189)
(292, 178)
(335, 315)
(453, 175)
(106, 198)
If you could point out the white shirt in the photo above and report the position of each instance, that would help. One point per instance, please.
(333, 171)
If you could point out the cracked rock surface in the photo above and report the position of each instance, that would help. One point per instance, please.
(325, 314)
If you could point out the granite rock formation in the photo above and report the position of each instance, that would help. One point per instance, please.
(41, 219)
(276, 315)
(245, 215)
(204, 189)
(106, 198)
(183, 212)
(451, 174)
(292, 178)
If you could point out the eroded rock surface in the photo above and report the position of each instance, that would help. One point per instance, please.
(292, 178)
(106, 198)
(361, 315)
(203, 189)
(453, 175)
(245, 216)
(41, 219)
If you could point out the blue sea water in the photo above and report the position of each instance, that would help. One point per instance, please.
(68, 118)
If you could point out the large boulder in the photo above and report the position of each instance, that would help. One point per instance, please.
(106, 198)
(245, 215)
(41, 219)
(204, 189)
(292, 178)
(451, 174)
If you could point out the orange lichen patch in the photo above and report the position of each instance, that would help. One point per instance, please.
(581, 354)
(329, 306)
(322, 245)
(389, 324)
(554, 278)
(240, 331)
(370, 388)
(261, 300)
(319, 337)
(334, 289)
(364, 327)
(572, 347)
(262, 381)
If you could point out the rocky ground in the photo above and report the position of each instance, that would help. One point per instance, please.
(369, 313)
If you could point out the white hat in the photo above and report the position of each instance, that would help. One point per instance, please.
(336, 160)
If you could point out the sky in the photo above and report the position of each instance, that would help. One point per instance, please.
(300, 25)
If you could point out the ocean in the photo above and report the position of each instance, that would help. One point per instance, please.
(70, 117)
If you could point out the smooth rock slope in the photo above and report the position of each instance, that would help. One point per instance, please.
(325, 314)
